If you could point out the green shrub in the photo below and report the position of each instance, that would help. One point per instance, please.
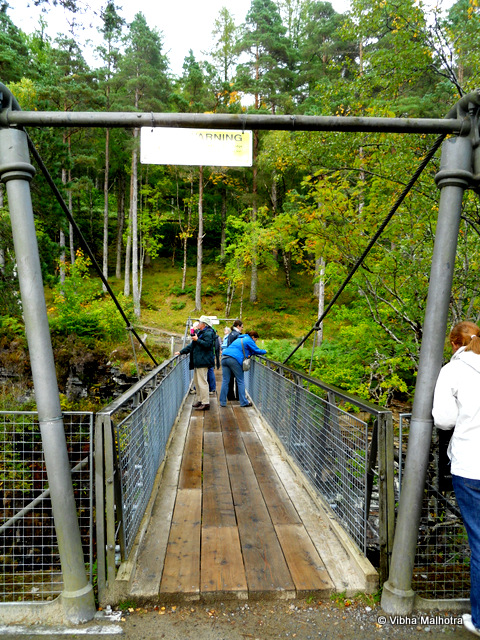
(80, 307)
(353, 362)
(12, 326)
(212, 291)
(271, 330)
(177, 290)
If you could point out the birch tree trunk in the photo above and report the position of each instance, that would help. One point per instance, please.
(223, 231)
(186, 234)
(254, 280)
(134, 227)
(62, 233)
(62, 256)
(241, 301)
(67, 139)
(128, 253)
(71, 237)
(198, 288)
(105, 207)
(120, 226)
(320, 292)
(230, 294)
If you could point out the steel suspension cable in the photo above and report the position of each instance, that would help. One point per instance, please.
(84, 243)
(372, 242)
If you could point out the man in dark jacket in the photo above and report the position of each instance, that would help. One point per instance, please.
(201, 358)
(237, 330)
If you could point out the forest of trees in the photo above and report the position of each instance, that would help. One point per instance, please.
(311, 201)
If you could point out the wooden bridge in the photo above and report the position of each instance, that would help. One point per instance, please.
(231, 518)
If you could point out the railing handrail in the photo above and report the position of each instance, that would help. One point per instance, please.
(116, 489)
(381, 451)
(360, 402)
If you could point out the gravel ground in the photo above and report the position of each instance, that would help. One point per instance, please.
(268, 621)
(302, 620)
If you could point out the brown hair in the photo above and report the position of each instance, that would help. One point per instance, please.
(466, 334)
(253, 334)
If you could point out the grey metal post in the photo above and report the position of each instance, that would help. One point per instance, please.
(454, 177)
(17, 172)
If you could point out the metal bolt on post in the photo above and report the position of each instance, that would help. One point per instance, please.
(16, 172)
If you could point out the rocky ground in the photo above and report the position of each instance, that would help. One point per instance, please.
(302, 620)
(272, 620)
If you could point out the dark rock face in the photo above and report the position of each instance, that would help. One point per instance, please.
(81, 373)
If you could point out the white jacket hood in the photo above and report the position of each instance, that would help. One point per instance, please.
(468, 357)
(456, 405)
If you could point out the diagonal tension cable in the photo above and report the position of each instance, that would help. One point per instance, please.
(370, 245)
(84, 243)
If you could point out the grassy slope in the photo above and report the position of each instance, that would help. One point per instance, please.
(280, 312)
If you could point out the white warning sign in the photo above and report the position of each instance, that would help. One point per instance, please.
(206, 147)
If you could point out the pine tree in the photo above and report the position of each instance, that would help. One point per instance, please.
(111, 30)
(14, 55)
(144, 73)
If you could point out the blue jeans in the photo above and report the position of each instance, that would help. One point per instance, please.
(212, 383)
(231, 367)
(467, 492)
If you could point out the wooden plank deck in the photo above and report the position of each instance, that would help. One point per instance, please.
(232, 529)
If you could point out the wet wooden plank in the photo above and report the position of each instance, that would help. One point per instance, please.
(218, 509)
(242, 418)
(212, 418)
(232, 437)
(222, 570)
(265, 565)
(306, 566)
(276, 497)
(181, 571)
(151, 557)
(319, 522)
(191, 469)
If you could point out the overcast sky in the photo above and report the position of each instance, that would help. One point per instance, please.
(185, 24)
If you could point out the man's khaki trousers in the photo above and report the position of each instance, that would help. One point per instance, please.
(201, 385)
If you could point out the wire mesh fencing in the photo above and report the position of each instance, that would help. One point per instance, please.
(141, 443)
(330, 445)
(31, 570)
(442, 560)
(131, 440)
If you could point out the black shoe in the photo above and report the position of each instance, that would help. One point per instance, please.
(249, 404)
(202, 407)
(196, 404)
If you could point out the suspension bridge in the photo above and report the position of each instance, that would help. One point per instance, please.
(224, 517)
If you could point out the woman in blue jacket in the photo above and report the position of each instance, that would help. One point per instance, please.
(232, 358)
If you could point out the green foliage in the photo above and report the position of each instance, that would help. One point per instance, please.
(267, 73)
(177, 290)
(16, 439)
(353, 359)
(13, 49)
(12, 326)
(312, 198)
(80, 307)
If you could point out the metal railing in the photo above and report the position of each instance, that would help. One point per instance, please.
(442, 561)
(131, 435)
(347, 458)
(31, 570)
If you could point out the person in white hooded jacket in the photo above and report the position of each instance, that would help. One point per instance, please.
(456, 405)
